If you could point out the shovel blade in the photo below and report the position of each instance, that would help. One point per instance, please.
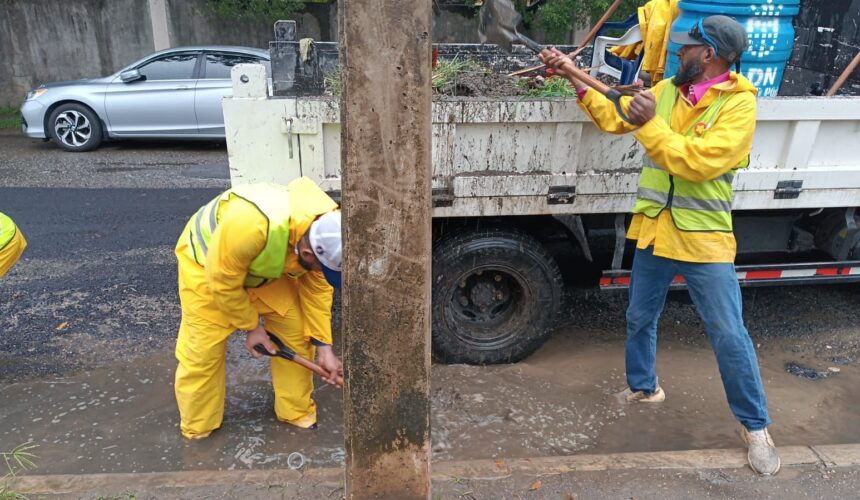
(498, 24)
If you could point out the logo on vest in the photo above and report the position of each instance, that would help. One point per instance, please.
(700, 128)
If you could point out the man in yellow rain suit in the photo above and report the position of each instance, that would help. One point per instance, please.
(12, 244)
(655, 20)
(260, 257)
(697, 130)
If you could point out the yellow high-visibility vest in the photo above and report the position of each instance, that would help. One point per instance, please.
(695, 206)
(272, 201)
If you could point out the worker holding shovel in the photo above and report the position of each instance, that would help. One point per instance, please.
(12, 243)
(697, 130)
(262, 258)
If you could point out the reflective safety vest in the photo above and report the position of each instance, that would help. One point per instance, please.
(7, 230)
(273, 202)
(695, 206)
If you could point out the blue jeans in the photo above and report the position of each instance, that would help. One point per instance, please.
(717, 296)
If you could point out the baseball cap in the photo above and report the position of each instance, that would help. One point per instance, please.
(325, 239)
(727, 37)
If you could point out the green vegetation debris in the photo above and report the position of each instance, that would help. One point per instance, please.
(448, 71)
(554, 86)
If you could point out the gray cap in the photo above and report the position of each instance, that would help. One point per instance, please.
(724, 34)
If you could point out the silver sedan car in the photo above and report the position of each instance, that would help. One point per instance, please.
(174, 93)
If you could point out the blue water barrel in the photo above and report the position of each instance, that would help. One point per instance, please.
(769, 29)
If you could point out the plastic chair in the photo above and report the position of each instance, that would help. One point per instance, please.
(603, 61)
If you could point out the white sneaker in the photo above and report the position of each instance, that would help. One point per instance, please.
(761, 455)
(629, 396)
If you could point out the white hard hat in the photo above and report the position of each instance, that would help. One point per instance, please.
(326, 242)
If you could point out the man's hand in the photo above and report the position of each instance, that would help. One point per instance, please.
(558, 60)
(643, 107)
(330, 363)
(259, 336)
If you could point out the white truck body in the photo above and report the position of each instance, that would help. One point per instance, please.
(495, 157)
(511, 176)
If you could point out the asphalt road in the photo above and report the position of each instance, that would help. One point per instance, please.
(98, 280)
(98, 272)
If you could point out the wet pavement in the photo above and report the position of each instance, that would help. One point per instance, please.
(88, 321)
(560, 401)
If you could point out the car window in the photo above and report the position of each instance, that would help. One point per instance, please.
(172, 67)
(219, 65)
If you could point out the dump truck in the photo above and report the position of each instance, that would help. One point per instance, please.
(525, 187)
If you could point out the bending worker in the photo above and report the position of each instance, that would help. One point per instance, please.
(12, 244)
(257, 258)
(697, 130)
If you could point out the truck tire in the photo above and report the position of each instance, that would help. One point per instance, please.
(495, 296)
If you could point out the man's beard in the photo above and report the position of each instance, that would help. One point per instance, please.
(687, 73)
(307, 266)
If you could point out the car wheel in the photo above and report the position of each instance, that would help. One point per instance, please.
(496, 294)
(75, 127)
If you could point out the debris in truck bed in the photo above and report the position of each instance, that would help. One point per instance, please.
(470, 78)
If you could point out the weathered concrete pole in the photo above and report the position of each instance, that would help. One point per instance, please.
(386, 161)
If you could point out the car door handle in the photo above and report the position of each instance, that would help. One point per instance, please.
(182, 87)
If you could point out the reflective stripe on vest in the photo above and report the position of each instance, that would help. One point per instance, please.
(695, 206)
(7, 230)
(273, 202)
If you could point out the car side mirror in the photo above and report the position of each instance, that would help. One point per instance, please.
(131, 75)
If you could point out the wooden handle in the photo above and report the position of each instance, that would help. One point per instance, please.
(319, 370)
(844, 76)
(611, 10)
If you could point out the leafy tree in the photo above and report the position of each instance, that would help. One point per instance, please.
(256, 10)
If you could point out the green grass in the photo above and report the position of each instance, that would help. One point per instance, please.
(18, 460)
(554, 86)
(9, 117)
(447, 71)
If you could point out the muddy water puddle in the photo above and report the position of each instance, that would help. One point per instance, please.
(559, 401)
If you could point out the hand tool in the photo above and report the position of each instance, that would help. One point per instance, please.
(498, 24)
(287, 353)
(611, 10)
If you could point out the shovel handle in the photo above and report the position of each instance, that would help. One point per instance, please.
(610, 93)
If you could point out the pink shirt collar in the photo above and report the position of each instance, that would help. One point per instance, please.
(697, 91)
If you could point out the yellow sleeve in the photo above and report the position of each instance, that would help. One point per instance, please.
(11, 252)
(238, 239)
(699, 159)
(315, 297)
(603, 113)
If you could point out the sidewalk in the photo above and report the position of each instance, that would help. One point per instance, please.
(821, 472)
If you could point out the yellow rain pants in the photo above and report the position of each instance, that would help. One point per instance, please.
(201, 347)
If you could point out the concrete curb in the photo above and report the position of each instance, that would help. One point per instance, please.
(842, 455)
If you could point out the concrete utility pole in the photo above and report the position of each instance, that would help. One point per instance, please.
(385, 52)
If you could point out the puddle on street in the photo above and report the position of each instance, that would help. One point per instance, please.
(559, 401)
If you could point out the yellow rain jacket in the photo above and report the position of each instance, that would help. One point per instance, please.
(12, 244)
(215, 302)
(221, 295)
(655, 20)
(703, 156)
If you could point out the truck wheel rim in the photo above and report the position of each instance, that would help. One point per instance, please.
(73, 128)
(486, 306)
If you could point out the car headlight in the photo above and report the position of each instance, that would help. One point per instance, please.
(35, 93)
